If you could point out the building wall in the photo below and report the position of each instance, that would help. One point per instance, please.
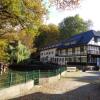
(72, 51)
(63, 52)
(75, 54)
(95, 41)
(53, 55)
(47, 54)
(63, 56)
(15, 91)
(94, 46)
(59, 60)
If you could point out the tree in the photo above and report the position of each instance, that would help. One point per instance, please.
(63, 4)
(73, 25)
(27, 13)
(18, 52)
(26, 38)
(53, 34)
(47, 34)
(4, 57)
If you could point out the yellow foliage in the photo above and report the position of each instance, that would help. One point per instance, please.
(3, 47)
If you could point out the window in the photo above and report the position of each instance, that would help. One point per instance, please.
(83, 59)
(69, 51)
(63, 52)
(70, 59)
(73, 50)
(77, 50)
(62, 59)
(41, 54)
(46, 52)
(77, 59)
(82, 49)
(66, 59)
(57, 59)
(96, 39)
(66, 51)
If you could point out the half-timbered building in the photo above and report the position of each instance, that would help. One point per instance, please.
(79, 50)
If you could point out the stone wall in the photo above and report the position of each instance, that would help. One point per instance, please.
(15, 91)
(51, 79)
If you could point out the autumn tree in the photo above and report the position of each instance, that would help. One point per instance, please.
(26, 16)
(27, 13)
(47, 34)
(21, 18)
(73, 25)
(4, 57)
(4, 42)
(53, 34)
(17, 52)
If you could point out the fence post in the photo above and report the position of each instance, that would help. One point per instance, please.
(25, 77)
(10, 80)
(33, 77)
(48, 73)
(39, 74)
(60, 72)
(56, 71)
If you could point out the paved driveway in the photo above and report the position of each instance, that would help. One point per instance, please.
(73, 86)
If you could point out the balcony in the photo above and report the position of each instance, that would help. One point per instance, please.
(71, 54)
(94, 52)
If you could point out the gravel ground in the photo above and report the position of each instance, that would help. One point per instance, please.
(74, 86)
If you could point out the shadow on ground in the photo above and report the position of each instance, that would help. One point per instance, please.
(89, 77)
(94, 72)
(87, 92)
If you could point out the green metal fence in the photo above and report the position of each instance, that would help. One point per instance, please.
(15, 77)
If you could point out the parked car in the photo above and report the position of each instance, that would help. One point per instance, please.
(91, 68)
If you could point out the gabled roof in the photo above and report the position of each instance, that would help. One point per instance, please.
(79, 39)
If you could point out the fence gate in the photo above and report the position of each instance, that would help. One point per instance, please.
(36, 75)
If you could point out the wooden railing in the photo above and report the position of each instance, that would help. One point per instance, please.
(94, 52)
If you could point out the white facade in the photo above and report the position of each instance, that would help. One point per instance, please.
(50, 55)
(94, 41)
(47, 54)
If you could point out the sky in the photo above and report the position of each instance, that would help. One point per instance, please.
(88, 10)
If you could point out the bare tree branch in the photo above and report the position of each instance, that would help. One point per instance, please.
(65, 4)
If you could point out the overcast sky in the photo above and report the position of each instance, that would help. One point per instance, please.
(88, 10)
